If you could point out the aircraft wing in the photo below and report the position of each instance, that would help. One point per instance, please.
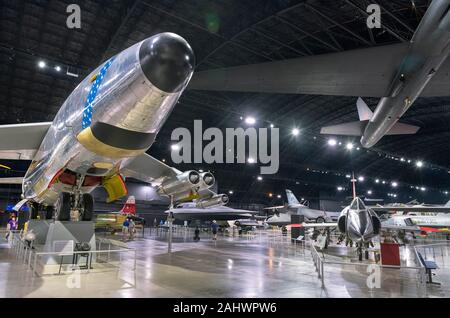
(363, 72)
(21, 141)
(209, 214)
(417, 209)
(148, 169)
(318, 225)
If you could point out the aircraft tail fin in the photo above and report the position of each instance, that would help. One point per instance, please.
(447, 205)
(292, 199)
(130, 206)
(364, 111)
(403, 129)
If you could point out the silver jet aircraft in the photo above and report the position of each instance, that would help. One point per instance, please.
(282, 216)
(103, 130)
(190, 211)
(398, 74)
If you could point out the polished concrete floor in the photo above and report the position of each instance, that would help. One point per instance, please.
(265, 265)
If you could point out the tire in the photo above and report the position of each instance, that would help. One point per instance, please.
(320, 220)
(88, 207)
(49, 213)
(34, 211)
(62, 207)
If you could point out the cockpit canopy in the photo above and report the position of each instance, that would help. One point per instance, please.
(357, 205)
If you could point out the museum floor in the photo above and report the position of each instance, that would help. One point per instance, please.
(262, 265)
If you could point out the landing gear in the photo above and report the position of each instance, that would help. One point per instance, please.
(34, 211)
(360, 252)
(49, 212)
(320, 220)
(87, 206)
(63, 206)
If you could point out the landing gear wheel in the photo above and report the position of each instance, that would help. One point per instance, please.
(320, 220)
(49, 213)
(34, 211)
(88, 207)
(62, 207)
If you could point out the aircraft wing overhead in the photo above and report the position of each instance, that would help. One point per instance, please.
(148, 169)
(365, 72)
(417, 209)
(21, 141)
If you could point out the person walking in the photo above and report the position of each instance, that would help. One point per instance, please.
(125, 226)
(215, 228)
(197, 234)
(11, 226)
(131, 228)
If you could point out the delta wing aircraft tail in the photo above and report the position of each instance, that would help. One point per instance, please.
(292, 199)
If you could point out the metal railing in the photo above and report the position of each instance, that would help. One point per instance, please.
(28, 254)
(320, 263)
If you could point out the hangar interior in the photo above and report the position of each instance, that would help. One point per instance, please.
(42, 61)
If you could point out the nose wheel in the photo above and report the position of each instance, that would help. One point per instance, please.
(67, 202)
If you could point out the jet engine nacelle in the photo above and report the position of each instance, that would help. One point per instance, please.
(184, 183)
(207, 180)
(217, 200)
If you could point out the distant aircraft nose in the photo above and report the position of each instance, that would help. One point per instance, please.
(167, 61)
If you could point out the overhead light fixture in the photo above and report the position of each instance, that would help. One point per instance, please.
(295, 132)
(369, 192)
(58, 68)
(394, 184)
(251, 161)
(419, 164)
(230, 192)
(349, 146)
(402, 159)
(272, 126)
(423, 189)
(340, 189)
(332, 142)
(260, 178)
(279, 196)
(358, 149)
(175, 147)
(361, 179)
(250, 120)
(42, 64)
(383, 182)
(348, 176)
(270, 195)
(377, 181)
(445, 192)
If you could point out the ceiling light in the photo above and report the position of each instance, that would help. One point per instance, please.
(251, 161)
(349, 146)
(230, 192)
(260, 178)
(361, 179)
(402, 159)
(383, 182)
(332, 142)
(250, 120)
(42, 64)
(394, 184)
(272, 126)
(369, 192)
(348, 176)
(295, 132)
(445, 192)
(423, 189)
(377, 181)
(270, 195)
(175, 147)
(419, 164)
(340, 188)
(58, 68)
(279, 196)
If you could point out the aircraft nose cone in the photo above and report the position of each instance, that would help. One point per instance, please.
(168, 61)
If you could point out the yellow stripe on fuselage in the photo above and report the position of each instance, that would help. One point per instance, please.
(91, 143)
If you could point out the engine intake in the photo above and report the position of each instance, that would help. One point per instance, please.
(217, 200)
(207, 180)
(184, 183)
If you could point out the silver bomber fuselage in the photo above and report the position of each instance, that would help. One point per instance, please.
(428, 50)
(113, 115)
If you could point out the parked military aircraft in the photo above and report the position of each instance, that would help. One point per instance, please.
(398, 74)
(283, 214)
(103, 130)
(191, 211)
(416, 208)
